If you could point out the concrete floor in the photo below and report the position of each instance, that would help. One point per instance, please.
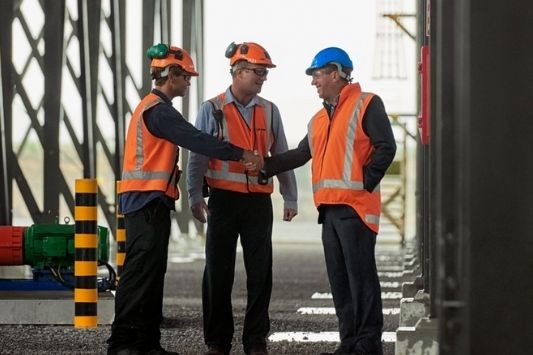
(299, 272)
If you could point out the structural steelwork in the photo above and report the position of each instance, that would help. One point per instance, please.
(73, 124)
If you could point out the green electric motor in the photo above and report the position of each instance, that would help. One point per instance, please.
(53, 244)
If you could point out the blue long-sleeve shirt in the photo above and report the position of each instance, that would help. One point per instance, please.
(198, 163)
(165, 122)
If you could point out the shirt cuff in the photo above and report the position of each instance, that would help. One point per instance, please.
(194, 199)
(293, 205)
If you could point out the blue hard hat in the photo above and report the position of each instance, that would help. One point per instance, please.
(329, 55)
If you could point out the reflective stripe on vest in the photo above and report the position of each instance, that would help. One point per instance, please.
(346, 182)
(145, 175)
(329, 189)
(154, 174)
(231, 175)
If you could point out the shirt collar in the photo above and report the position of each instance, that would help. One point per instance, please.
(346, 91)
(162, 95)
(230, 98)
(331, 107)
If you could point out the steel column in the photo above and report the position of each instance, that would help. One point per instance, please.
(193, 43)
(148, 14)
(423, 172)
(6, 97)
(53, 66)
(419, 187)
(449, 278)
(68, 25)
(118, 38)
(88, 36)
(5, 215)
(484, 217)
(494, 125)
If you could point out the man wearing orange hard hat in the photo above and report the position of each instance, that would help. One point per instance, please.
(148, 192)
(239, 115)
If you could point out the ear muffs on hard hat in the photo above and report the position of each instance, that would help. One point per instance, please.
(250, 52)
(163, 56)
(331, 55)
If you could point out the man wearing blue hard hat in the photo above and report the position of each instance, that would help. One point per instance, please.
(351, 143)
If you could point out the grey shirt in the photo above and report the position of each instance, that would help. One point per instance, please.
(198, 164)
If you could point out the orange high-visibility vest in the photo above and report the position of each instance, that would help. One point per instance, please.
(149, 161)
(340, 149)
(231, 175)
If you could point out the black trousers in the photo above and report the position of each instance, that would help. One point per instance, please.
(349, 247)
(139, 296)
(232, 214)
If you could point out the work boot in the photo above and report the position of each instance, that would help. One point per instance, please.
(214, 350)
(338, 351)
(124, 352)
(161, 351)
(259, 349)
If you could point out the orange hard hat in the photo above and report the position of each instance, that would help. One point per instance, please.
(250, 52)
(162, 56)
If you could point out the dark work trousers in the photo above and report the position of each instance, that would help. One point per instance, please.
(349, 247)
(232, 214)
(139, 297)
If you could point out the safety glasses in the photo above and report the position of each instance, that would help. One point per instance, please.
(177, 72)
(259, 71)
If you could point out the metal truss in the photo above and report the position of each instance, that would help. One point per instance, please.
(70, 80)
(389, 50)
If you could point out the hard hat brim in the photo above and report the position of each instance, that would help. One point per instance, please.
(192, 73)
(310, 70)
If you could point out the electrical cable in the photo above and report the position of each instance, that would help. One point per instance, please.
(111, 282)
(57, 276)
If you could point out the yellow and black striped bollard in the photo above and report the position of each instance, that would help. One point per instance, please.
(85, 262)
(121, 237)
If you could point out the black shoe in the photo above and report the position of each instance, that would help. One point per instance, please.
(124, 352)
(160, 351)
(215, 350)
(259, 349)
(343, 352)
(156, 351)
(337, 351)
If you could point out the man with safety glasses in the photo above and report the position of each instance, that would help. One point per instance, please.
(148, 193)
(351, 142)
(239, 203)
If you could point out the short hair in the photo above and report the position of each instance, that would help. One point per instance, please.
(331, 67)
(160, 80)
(238, 65)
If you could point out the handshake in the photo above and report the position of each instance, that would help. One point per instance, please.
(253, 162)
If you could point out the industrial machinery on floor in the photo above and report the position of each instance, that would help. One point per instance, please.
(49, 250)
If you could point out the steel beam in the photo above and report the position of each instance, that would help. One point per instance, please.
(450, 280)
(53, 68)
(88, 36)
(6, 97)
(118, 38)
(484, 214)
(67, 26)
(192, 40)
(148, 15)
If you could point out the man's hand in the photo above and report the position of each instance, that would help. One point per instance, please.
(200, 211)
(289, 214)
(252, 161)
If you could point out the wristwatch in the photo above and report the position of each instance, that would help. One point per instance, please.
(262, 178)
